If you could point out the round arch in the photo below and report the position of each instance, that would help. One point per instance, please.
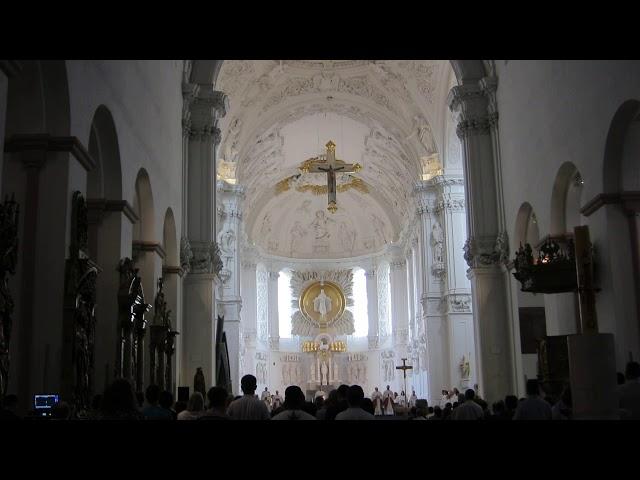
(105, 181)
(144, 229)
(170, 239)
(566, 200)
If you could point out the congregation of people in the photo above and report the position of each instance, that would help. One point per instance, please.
(119, 402)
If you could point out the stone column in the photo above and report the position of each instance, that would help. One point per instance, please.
(31, 161)
(274, 331)
(248, 317)
(230, 303)
(399, 314)
(199, 253)
(110, 232)
(372, 307)
(486, 249)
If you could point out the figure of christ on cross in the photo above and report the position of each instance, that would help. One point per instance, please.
(404, 369)
(329, 165)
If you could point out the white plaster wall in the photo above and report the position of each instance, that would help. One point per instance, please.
(145, 100)
(557, 111)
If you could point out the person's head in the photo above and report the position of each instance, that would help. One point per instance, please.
(455, 404)
(620, 378)
(61, 411)
(511, 402)
(217, 397)
(402, 393)
(498, 407)
(632, 371)
(376, 389)
(448, 406)
(469, 394)
(388, 387)
(265, 389)
(248, 384)
(196, 402)
(293, 398)
(333, 398)
(166, 400)
(367, 406)
(152, 394)
(430, 410)
(342, 392)
(355, 395)
(118, 397)
(277, 392)
(533, 387)
(319, 402)
(437, 411)
(10, 402)
(422, 407)
(444, 392)
(180, 406)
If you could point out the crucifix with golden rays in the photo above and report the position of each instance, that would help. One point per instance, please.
(329, 164)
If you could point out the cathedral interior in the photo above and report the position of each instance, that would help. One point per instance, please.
(318, 223)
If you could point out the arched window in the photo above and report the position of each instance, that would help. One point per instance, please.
(284, 304)
(359, 308)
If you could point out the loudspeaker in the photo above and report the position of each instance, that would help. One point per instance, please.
(183, 394)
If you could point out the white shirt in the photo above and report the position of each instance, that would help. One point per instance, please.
(469, 410)
(248, 407)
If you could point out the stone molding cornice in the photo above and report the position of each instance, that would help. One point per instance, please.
(101, 205)
(10, 68)
(142, 246)
(172, 270)
(602, 199)
(46, 143)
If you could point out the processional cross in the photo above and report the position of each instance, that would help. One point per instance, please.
(404, 369)
(329, 164)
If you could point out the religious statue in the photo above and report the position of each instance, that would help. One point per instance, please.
(324, 370)
(465, 368)
(227, 242)
(437, 242)
(313, 373)
(425, 135)
(198, 382)
(322, 304)
(296, 233)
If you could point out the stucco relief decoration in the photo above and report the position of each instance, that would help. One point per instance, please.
(437, 250)
(388, 366)
(186, 255)
(460, 303)
(206, 258)
(262, 305)
(384, 294)
(306, 325)
(488, 252)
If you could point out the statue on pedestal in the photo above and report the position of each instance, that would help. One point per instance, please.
(198, 382)
(324, 370)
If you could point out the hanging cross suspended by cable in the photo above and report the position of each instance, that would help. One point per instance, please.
(329, 164)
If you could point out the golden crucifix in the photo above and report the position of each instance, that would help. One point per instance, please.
(329, 164)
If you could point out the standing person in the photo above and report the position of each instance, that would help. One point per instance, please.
(376, 398)
(276, 402)
(533, 407)
(412, 399)
(469, 410)
(629, 393)
(266, 398)
(198, 382)
(195, 408)
(293, 406)
(248, 407)
(387, 401)
(218, 402)
(402, 399)
(153, 410)
(355, 397)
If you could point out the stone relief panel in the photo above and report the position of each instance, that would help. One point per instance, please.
(384, 300)
(262, 299)
(388, 365)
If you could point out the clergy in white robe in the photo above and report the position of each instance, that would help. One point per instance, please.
(376, 398)
(412, 399)
(266, 398)
(402, 399)
(387, 401)
(277, 401)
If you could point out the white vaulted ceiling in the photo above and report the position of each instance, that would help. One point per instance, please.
(284, 112)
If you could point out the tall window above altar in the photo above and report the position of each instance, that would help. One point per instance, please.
(284, 304)
(359, 309)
